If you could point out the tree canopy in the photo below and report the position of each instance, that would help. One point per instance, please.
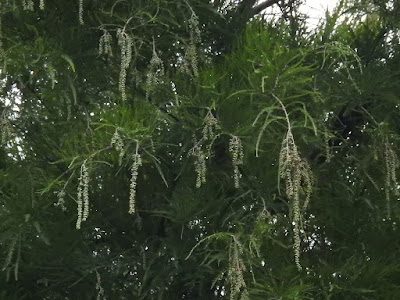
(198, 149)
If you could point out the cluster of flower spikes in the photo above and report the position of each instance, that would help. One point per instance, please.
(105, 44)
(118, 144)
(137, 162)
(391, 163)
(236, 268)
(155, 72)
(83, 195)
(5, 128)
(202, 148)
(61, 199)
(297, 173)
(211, 128)
(236, 150)
(28, 5)
(328, 151)
(190, 60)
(125, 43)
(199, 164)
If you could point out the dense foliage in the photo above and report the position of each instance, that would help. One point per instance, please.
(194, 149)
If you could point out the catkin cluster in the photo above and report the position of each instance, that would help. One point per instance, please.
(236, 150)
(236, 268)
(61, 200)
(27, 5)
(83, 195)
(202, 149)
(190, 60)
(297, 173)
(99, 288)
(211, 127)
(199, 164)
(137, 162)
(328, 151)
(155, 72)
(391, 163)
(195, 34)
(105, 44)
(5, 128)
(118, 144)
(125, 43)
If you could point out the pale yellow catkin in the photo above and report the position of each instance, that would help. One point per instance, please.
(236, 270)
(155, 72)
(125, 43)
(200, 166)
(99, 288)
(80, 12)
(27, 5)
(118, 144)
(5, 128)
(391, 184)
(137, 162)
(83, 195)
(236, 150)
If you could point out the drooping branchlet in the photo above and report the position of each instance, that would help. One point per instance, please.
(10, 253)
(68, 103)
(297, 175)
